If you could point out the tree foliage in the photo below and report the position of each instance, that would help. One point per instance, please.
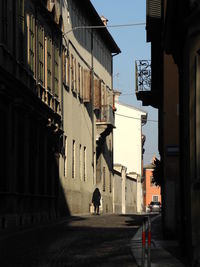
(157, 172)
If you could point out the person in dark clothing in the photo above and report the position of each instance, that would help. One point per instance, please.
(96, 197)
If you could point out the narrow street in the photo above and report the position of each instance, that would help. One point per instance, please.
(78, 241)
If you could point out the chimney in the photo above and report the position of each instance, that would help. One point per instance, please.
(117, 94)
(104, 20)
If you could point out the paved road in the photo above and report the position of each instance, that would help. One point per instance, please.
(79, 241)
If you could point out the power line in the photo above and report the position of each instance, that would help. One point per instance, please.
(127, 94)
(130, 117)
(105, 26)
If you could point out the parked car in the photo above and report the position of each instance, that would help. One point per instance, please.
(155, 206)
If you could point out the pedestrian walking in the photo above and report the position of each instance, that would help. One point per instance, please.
(96, 197)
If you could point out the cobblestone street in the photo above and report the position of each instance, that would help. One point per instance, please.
(78, 241)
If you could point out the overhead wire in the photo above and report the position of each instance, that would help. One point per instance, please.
(130, 117)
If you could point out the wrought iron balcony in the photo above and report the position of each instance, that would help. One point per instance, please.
(143, 75)
(143, 84)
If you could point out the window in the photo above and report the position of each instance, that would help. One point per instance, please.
(79, 79)
(151, 181)
(155, 198)
(110, 182)
(73, 159)
(31, 42)
(64, 66)
(84, 164)
(20, 30)
(80, 161)
(41, 54)
(75, 75)
(87, 86)
(49, 64)
(67, 68)
(72, 72)
(65, 158)
(104, 179)
(68, 16)
(56, 64)
(81, 83)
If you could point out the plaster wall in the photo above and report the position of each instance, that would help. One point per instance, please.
(127, 137)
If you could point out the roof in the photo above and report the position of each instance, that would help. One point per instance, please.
(132, 107)
(149, 166)
(95, 19)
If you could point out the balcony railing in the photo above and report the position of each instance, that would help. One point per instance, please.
(105, 115)
(142, 75)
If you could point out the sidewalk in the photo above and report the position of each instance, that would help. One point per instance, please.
(164, 253)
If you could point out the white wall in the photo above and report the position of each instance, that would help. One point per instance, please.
(124, 191)
(131, 195)
(117, 193)
(127, 137)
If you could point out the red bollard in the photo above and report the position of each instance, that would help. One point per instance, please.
(143, 243)
(149, 242)
(149, 237)
(143, 234)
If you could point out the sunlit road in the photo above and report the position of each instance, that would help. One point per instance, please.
(80, 241)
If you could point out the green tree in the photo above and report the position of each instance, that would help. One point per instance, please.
(157, 172)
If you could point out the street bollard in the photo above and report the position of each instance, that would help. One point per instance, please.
(148, 220)
(149, 243)
(143, 243)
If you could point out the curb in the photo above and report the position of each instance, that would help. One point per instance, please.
(159, 256)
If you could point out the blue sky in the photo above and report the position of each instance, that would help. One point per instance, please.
(132, 42)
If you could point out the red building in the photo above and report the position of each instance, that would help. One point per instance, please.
(151, 191)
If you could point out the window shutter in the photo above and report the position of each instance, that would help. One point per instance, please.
(154, 8)
(40, 54)
(75, 75)
(97, 94)
(87, 86)
(81, 82)
(64, 67)
(49, 64)
(72, 71)
(56, 65)
(79, 79)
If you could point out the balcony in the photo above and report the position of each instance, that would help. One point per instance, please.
(105, 116)
(105, 124)
(143, 84)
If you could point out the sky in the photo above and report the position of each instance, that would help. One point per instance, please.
(132, 43)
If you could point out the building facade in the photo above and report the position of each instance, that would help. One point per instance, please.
(173, 30)
(88, 115)
(56, 108)
(129, 141)
(30, 88)
(163, 94)
(150, 190)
